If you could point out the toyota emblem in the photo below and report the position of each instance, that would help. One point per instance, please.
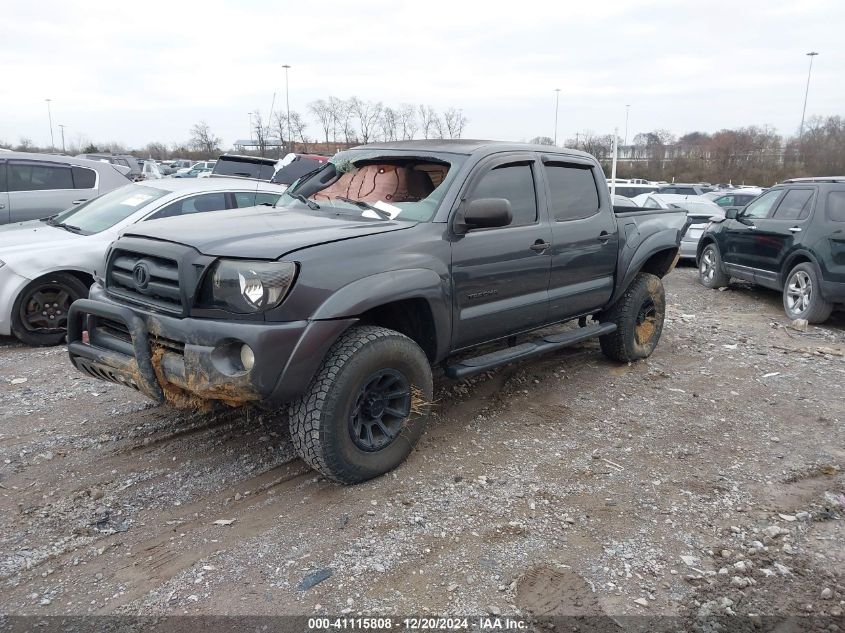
(141, 275)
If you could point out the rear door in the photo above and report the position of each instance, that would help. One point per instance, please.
(584, 239)
(38, 189)
(776, 234)
(4, 195)
(85, 184)
(738, 238)
(500, 276)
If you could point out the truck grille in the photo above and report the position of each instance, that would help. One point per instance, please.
(146, 279)
(119, 331)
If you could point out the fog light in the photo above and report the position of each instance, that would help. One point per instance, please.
(247, 357)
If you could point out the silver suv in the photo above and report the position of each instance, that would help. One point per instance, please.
(35, 186)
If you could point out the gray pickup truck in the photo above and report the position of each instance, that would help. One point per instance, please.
(333, 306)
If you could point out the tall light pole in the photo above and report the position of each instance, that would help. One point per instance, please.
(249, 138)
(50, 118)
(557, 108)
(63, 136)
(287, 101)
(806, 92)
(627, 111)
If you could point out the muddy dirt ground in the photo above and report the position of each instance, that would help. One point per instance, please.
(705, 480)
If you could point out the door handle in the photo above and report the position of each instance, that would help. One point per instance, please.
(603, 236)
(752, 226)
(539, 246)
(795, 229)
(80, 201)
(2, 206)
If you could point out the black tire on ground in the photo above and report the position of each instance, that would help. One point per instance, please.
(39, 314)
(366, 407)
(802, 297)
(638, 315)
(710, 273)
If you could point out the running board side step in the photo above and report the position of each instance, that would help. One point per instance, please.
(470, 366)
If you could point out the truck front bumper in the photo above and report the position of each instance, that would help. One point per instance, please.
(185, 361)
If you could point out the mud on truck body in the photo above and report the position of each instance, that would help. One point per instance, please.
(332, 307)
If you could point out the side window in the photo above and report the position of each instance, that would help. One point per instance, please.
(253, 199)
(267, 198)
(195, 204)
(38, 177)
(83, 178)
(761, 207)
(835, 205)
(725, 201)
(515, 182)
(2, 176)
(795, 205)
(573, 192)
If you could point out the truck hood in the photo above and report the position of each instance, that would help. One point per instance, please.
(261, 232)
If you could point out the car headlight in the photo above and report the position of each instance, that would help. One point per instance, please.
(247, 286)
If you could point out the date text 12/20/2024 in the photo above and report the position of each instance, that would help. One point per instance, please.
(486, 623)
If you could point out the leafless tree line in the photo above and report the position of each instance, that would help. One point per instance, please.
(355, 120)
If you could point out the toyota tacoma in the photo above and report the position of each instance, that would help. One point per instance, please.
(333, 306)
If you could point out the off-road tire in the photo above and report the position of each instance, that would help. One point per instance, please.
(74, 288)
(638, 314)
(710, 273)
(818, 310)
(321, 419)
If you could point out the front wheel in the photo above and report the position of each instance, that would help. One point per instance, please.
(39, 314)
(366, 407)
(638, 314)
(802, 298)
(710, 273)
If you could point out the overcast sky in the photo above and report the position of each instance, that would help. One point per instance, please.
(147, 71)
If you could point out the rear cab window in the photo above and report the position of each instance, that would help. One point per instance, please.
(573, 191)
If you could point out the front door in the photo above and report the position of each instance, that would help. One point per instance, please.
(585, 241)
(776, 234)
(500, 276)
(738, 246)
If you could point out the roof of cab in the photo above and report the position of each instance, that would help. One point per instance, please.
(470, 146)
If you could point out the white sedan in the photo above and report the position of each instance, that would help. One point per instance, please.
(45, 265)
(698, 208)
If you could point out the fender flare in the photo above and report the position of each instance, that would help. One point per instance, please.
(650, 246)
(388, 287)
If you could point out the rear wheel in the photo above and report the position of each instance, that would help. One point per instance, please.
(366, 407)
(39, 315)
(638, 314)
(802, 298)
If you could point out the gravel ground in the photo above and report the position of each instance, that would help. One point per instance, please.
(705, 480)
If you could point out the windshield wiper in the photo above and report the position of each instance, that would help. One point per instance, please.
(308, 203)
(366, 205)
(62, 225)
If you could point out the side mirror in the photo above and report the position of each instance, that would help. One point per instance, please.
(730, 214)
(486, 213)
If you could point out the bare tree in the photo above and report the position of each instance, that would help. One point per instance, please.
(454, 121)
(389, 124)
(297, 128)
(542, 140)
(25, 145)
(429, 121)
(324, 114)
(408, 121)
(367, 114)
(157, 151)
(342, 120)
(204, 140)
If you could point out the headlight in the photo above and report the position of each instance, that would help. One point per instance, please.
(244, 286)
